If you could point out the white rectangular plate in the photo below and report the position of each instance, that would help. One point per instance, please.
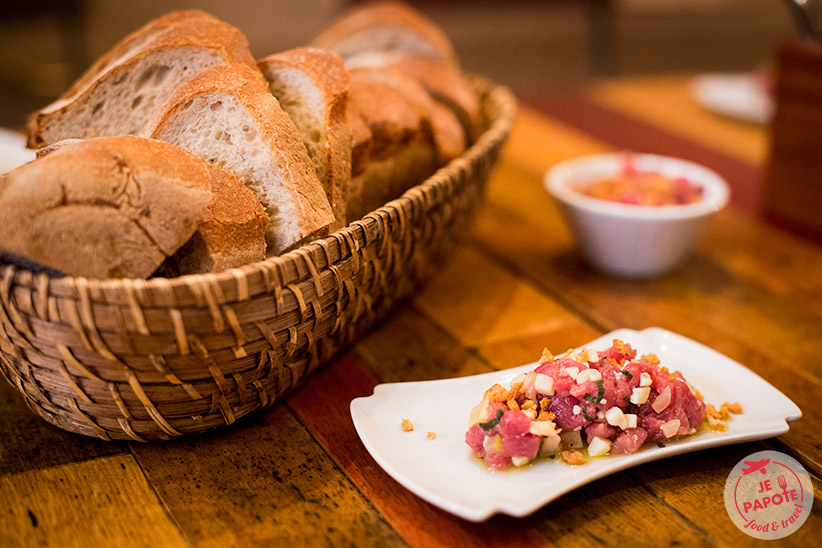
(445, 473)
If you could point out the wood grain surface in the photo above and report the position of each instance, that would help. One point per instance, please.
(298, 475)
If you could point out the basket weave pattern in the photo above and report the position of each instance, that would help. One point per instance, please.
(155, 359)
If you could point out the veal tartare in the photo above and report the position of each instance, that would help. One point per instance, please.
(610, 401)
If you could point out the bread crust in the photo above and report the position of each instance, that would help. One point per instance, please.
(231, 233)
(188, 28)
(443, 81)
(104, 207)
(330, 78)
(276, 129)
(386, 15)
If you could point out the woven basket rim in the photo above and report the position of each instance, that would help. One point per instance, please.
(488, 91)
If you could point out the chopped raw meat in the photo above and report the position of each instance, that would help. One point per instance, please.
(616, 400)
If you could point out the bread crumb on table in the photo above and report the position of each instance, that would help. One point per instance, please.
(431, 435)
(407, 425)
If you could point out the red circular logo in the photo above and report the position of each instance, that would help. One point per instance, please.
(768, 495)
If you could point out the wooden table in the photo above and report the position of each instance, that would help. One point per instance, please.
(298, 475)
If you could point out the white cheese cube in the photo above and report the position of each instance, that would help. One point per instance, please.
(577, 410)
(599, 446)
(639, 395)
(630, 419)
(645, 380)
(589, 375)
(572, 371)
(544, 384)
(542, 428)
(549, 445)
(616, 417)
(520, 461)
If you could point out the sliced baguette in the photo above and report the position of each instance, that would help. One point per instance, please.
(403, 150)
(105, 207)
(121, 91)
(227, 116)
(312, 87)
(443, 81)
(230, 234)
(386, 26)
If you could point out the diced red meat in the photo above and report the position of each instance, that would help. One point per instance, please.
(579, 391)
(497, 461)
(600, 429)
(523, 445)
(562, 406)
(679, 409)
(557, 371)
(629, 441)
(652, 425)
(613, 383)
(615, 355)
(514, 423)
(474, 438)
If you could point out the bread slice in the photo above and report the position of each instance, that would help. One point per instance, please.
(231, 233)
(226, 116)
(312, 87)
(105, 207)
(443, 81)
(121, 91)
(403, 152)
(386, 26)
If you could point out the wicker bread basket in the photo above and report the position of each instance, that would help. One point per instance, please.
(155, 359)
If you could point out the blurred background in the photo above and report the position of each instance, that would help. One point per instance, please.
(530, 45)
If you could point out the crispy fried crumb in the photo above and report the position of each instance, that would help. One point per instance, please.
(546, 356)
(620, 346)
(407, 425)
(528, 405)
(514, 391)
(497, 393)
(651, 358)
(431, 435)
(544, 403)
(512, 405)
(586, 355)
(717, 418)
(698, 395)
(573, 457)
(546, 416)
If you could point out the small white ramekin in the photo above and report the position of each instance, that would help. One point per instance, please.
(628, 240)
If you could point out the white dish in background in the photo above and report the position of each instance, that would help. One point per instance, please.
(743, 96)
(444, 472)
(13, 151)
(634, 241)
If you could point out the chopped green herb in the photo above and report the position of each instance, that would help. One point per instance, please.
(627, 374)
(626, 399)
(584, 414)
(600, 393)
(493, 422)
(660, 444)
